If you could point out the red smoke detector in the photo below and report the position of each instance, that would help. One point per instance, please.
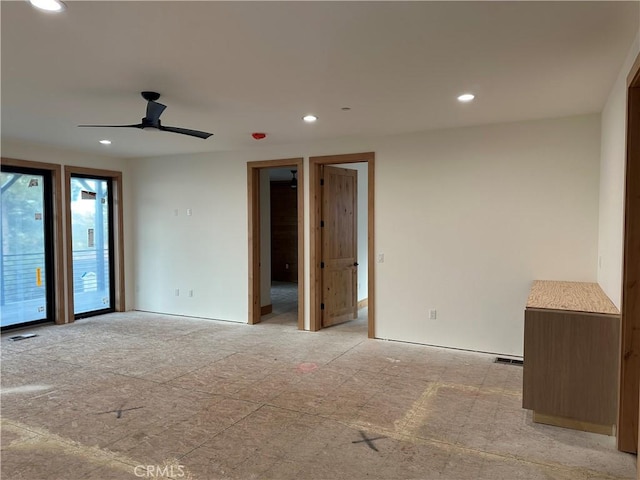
(258, 135)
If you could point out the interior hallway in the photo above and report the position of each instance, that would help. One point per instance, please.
(218, 400)
(284, 299)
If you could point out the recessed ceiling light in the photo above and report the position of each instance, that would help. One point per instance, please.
(310, 118)
(48, 5)
(466, 97)
(105, 142)
(345, 109)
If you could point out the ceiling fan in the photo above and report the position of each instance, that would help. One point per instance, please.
(152, 119)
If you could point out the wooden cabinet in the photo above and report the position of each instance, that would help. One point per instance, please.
(571, 355)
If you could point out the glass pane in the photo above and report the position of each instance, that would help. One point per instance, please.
(23, 288)
(90, 237)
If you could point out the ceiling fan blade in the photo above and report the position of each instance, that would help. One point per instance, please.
(154, 110)
(186, 131)
(152, 119)
(137, 125)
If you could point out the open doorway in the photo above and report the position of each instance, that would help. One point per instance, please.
(338, 261)
(276, 241)
(279, 270)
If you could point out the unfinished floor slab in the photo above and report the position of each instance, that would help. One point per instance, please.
(140, 395)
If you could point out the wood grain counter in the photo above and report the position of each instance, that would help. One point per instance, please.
(571, 354)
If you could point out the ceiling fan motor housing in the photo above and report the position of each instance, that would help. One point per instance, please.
(150, 96)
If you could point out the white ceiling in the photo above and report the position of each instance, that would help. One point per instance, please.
(233, 68)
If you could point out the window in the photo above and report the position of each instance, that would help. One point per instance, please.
(26, 264)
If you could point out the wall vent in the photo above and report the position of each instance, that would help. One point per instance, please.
(23, 337)
(509, 361)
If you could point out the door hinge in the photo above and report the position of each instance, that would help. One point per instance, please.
(322, 182)
(322, 306)
(322, 223)
(321, 264)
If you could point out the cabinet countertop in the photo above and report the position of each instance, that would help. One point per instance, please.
(572, 296)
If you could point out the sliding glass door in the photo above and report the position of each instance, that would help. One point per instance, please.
(92, 245)
(26, 263)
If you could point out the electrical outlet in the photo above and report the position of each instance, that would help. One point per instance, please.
(381, 258)
(433, 314)
(189, 212)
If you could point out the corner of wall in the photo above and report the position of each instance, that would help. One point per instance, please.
(612, 182)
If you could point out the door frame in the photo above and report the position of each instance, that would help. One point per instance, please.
(315, 199)
(118, 235)
(628, 411)
(59, 313)
(253, 203)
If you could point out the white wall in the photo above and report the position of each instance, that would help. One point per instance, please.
(612, 180)
(467, 218)
(48, 154)
(363, 234)
(206, 252)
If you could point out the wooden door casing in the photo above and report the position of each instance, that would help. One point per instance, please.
(253, 217)
(629, 403)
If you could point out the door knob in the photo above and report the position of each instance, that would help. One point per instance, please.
(355, 264)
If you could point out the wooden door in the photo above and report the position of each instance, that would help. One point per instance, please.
(339, 230)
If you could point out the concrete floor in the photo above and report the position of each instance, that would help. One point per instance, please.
(140, 395)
